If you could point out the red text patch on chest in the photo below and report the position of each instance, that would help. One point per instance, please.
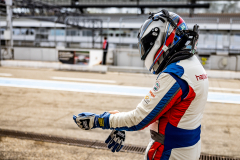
(201, 77)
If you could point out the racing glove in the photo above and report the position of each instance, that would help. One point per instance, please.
(115, 140)
(87, 120)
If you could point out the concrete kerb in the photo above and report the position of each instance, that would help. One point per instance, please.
(53, 65)
(128, 69)
(30, 64)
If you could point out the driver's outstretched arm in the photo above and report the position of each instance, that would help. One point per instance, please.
(165, 93)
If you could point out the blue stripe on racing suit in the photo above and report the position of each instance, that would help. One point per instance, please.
(155, 112)
(178, 138)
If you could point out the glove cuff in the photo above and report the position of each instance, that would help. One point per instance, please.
(102, 121)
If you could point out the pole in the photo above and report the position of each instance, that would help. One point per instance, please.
(108, 20)
(55, 34)
(101, 36)
(93, 42)
(65, 36)
(120, 26)
(231, 23)
(192, 9)
(216, 43)
(9, 27)
(101, 23)
(0, 44)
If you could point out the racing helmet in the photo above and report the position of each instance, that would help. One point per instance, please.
(160, 36)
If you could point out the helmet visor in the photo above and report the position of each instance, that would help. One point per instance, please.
(146, 43)
(144, 27)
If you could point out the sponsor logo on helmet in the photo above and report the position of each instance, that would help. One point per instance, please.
(183, 26)
(156, 86)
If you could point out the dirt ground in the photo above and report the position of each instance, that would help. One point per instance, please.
(36, 150)
(50, 112)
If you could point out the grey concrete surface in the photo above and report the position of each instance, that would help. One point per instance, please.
(50, 112)
(53, 65)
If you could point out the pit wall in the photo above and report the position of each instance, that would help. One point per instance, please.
(221, 62)
(52, 54)
(131, 57)
(121, 57)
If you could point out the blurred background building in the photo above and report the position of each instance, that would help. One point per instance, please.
(81, 24)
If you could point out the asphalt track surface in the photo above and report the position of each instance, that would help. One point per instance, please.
(49, 111)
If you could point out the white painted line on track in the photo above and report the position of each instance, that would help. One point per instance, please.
(6, 74)
(83, 79)
(224, 89)
(223, 97)
(103, 89)
(74, 86)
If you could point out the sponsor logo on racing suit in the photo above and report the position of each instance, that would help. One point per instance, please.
(156, 86)
(101, 122)
(147, 99)
(201, 77)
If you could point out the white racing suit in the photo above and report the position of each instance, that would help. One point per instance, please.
(173, 109)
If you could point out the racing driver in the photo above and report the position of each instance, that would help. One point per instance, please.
(173, 108)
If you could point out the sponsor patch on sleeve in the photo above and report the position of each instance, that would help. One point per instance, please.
(151, 93)
(156, 86)
(147, 99)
